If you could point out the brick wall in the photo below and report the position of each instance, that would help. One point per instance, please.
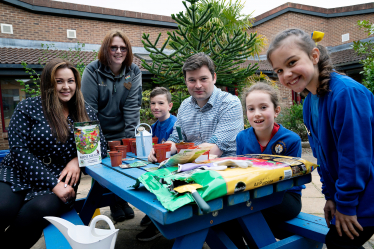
(31, 26)
(333, 28)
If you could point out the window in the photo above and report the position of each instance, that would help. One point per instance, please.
(11, 95)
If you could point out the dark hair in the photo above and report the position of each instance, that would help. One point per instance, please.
(306, 44)
(263, 87)
(104, 52)
(53, 108)
(197, 61)
(161, 91)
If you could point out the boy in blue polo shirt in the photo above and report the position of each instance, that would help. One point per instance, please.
(160, 106)
(160, 102)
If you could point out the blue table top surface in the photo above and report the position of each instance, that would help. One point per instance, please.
(121, 181)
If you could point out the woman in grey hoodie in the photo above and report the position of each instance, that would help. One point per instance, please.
(112, 86)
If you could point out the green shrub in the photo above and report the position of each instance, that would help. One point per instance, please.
(292, 119)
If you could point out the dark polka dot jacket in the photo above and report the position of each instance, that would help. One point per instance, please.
(36, 158)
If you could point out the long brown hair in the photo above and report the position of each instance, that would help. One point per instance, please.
(306, 44)
(53, 108)
(104, 52)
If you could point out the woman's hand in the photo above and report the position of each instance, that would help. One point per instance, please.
(347, 224)
(72, 173)
(64, 193)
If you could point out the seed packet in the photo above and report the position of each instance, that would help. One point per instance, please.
(87, 140)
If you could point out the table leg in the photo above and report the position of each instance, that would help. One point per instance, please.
(257, 230)
(218, 239)
(92, 202)
(192, 240)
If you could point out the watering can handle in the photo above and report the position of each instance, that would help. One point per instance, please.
(98, 218)
(136, 128)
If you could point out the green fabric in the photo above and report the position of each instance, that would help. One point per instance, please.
(213, 184)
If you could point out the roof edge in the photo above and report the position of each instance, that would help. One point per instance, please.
(316, 11)
(93, 12)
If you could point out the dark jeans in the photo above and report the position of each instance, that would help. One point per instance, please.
(334, 241)
(24, 219)
(288, 209)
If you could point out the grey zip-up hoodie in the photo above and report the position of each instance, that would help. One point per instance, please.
(116, 99)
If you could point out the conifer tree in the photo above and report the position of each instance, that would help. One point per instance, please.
(227, 51)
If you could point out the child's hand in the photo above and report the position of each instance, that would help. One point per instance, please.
(152, 156)
(347, 223)
(329, 210)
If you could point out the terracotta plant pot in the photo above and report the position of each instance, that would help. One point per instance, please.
(113, 144)
(115, 158)
(127, 141)
(181, 146)
(160, 151)
(133, 147)
(122, 148)
(154, 140)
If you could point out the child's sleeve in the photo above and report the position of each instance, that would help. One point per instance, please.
(239, 144)
(351, 120)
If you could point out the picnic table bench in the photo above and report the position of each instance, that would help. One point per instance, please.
(189, 226)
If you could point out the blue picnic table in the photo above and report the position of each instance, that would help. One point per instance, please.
(188, 225)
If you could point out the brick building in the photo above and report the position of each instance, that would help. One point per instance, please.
(27, 24)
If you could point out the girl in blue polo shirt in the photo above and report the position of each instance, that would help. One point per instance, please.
(338, 114)
(267, 137)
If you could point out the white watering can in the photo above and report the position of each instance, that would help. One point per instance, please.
(143, 141)
(86, 237)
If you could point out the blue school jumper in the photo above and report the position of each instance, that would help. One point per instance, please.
(283, 143)
(343, 146)
(163, 129)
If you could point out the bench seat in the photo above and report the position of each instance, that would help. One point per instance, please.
(52, 236)
(308, 226)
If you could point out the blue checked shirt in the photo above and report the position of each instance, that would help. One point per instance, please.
(217, 122)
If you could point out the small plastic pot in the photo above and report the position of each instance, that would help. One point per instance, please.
(160, 151)
(127, 141)
(154, 140)
(122, 148)
(113, 144)
(168, 151)
(182, 146)
(133, 147)
(115, 158)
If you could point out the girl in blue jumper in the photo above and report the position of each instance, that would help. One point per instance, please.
(338, 114)
(267, 137)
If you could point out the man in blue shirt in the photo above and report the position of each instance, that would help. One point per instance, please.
(209, 117)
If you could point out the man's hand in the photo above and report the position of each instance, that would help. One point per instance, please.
(347, 223)
(214, 150)
(72, 172)
(329, 210)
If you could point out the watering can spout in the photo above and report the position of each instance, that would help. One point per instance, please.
(62, 225)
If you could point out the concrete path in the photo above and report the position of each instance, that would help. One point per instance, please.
(312, 199)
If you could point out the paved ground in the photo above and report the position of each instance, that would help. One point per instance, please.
(312, 199)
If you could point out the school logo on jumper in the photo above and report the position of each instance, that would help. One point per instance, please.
(102, 84)
(279, 148)
(240, 187)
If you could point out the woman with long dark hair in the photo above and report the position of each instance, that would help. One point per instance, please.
(40, 175)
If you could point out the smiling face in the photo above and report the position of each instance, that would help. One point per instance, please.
(294, 67)
(65, 84)
(160, 107)
(117, 57)
(200, 84)
(261, 112)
